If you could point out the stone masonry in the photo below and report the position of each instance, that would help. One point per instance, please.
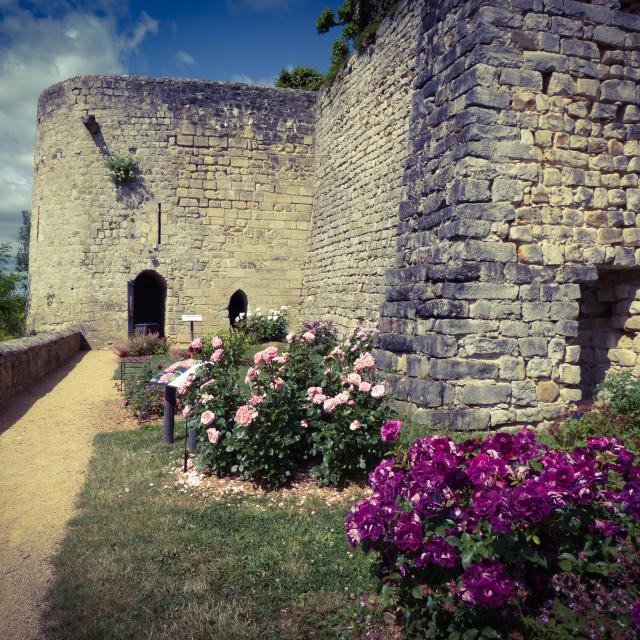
(225, 170)
(470, 181)
(513, 290)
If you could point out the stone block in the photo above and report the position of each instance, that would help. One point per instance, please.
(490, 347)
(569, 374)
(485, 393)
(435, 345)
(523, 393)
(547, 391)
(562, 84)
(533, 347)
(511, 368)
(426, 393)
(618, 91)
(452, 369)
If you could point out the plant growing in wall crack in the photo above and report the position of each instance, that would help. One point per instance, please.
(122, 169)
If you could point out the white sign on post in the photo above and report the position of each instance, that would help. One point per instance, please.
(191, 318)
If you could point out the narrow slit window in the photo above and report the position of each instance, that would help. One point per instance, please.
(159, 223)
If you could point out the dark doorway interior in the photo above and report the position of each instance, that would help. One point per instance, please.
(148, 301)
(238, 304)
(608, 327)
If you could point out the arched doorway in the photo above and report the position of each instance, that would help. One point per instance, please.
(147, 298)
(238, 303)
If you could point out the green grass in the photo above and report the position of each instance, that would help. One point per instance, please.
(140, 561)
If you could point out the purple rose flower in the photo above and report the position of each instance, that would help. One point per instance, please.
(408, 532)
(391, 430)
(486, 584)
(598, 443)
(502, 443)
(530, 502)
(484, 471)
(635, 614)
(438, 551)
(631, 499)
(608, 529)
(365, 522)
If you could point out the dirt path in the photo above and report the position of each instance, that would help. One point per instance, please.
(45, 447)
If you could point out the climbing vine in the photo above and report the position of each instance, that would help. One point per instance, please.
(360, 20)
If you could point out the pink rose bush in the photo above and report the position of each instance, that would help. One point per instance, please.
(506, 535)
(300, 405)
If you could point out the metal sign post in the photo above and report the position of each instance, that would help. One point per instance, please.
(191, 319)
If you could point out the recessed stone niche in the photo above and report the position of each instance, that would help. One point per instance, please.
(609, 327)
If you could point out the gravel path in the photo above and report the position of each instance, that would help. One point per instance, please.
(46, 437)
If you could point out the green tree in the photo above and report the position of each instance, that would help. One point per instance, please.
(359, 20)
(305, 78)
(12, 301)
(22, 257)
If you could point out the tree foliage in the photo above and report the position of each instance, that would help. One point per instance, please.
(305, 78)
(360, 20)
(22, 257)
(12, 300)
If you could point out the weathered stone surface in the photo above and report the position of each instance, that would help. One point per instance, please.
(485, 393)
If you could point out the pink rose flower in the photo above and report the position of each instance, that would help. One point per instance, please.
(186, 410)
(216, 343)
(290, 337)
(266, 356)
(354, 378)
(277, 384)
(204, 384)
(217, 355)
(245, 415)
(256, 400)
(312, 392)
(355, 425)
(182, 390)
(309, 337)
(206, 397)
(329, 405)
(304, 424)
(213, 435)
(341, 398)
(391, 430)
(252, 374)
(319, 398)
(365, 387)
(283, 359)
(377, 391)
(207, 417)
(196, 345)
(365, 361)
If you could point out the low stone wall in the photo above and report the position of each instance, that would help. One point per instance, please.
(25, 360)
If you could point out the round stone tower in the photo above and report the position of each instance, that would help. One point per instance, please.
(220, 203)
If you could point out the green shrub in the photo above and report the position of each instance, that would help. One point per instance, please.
(141, 398)
(264, 328)
(621, 394)
(235, 342)
(149, 344)
(121, 169)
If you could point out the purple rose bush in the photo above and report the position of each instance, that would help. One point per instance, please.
(299, 407)
(505, 537)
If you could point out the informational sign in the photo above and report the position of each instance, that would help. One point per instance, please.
(192, 318)
(180, 380)
(177, 369)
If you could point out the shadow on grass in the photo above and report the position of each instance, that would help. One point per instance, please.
(143, 560)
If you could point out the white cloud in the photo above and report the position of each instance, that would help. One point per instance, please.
(241, 77)
(185, 58)
(37, 50)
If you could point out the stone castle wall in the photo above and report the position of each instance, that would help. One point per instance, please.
(519, 234)
(473, 183)
(362, 145)
(225, 169)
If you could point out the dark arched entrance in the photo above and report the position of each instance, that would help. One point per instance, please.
(238, 303)
(147, 297)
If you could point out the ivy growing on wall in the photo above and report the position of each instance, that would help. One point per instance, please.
(360, 20)
(122, 169)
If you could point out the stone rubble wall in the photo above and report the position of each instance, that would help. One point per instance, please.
(231, 167)
(522, 191)
(362, 143)
(26, 360)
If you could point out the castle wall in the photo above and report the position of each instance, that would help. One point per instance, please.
(362, 145)
(229, 166)
(522, 198)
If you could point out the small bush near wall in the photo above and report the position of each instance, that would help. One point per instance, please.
(236, 343)
(297, 408)
(150, 344)
(261, 327)
(506, 538)
(142, 399)
(121, 169)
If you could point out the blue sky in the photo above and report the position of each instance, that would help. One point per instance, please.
(45, 41)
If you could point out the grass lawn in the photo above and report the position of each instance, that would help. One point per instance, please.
(143, 560)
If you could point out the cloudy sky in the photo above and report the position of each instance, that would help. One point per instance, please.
(45, 41)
